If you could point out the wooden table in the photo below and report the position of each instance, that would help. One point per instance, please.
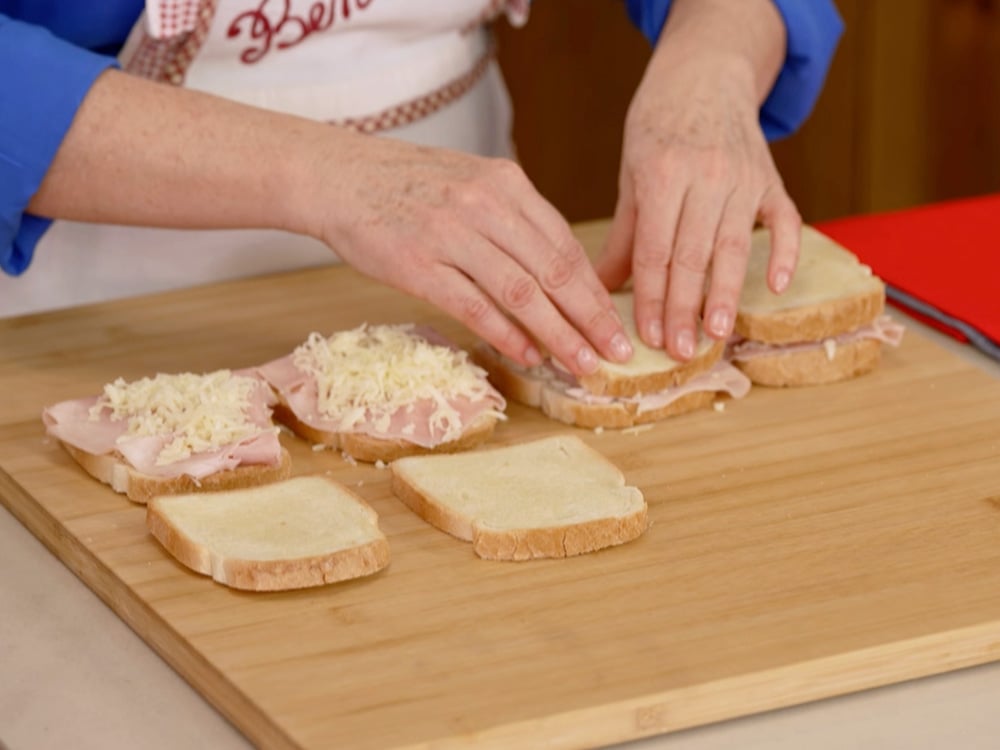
(805, 544)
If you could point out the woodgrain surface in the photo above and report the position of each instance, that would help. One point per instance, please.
(804, 543)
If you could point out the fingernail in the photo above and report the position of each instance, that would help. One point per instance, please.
(720, 323)
(621, 347)
(532, 356)
(654, 333)
(685, 344)
(781, 280)
(586, 358)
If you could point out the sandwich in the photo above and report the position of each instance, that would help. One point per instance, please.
(649, 387)
(174, 433)
(306, 531)
(379, 392)
(553, 497)
(828, 326)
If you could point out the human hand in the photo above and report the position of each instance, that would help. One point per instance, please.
(472, 236)
(696, 173)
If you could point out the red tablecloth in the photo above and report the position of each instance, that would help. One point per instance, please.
(946, 255)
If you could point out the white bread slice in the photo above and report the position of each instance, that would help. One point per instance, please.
(533, 387)
(553, 497)
(372, 449)
(380, 373)
(831, 293)
(139, 488)
(306, 531)
(814, 366)
(649, 370)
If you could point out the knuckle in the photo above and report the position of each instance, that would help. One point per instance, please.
(519, 292)
(732, 246)
(473, 310)
(506, 169)
(690, 256)
(654, 260)
(716, 165)
(604, 323)
(561, 270)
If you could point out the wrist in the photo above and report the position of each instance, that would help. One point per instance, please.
(742, 38)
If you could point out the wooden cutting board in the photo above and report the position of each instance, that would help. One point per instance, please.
(805, 543)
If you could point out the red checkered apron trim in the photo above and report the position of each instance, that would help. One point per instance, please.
(423, 106)
(517, 11)
(167, 60)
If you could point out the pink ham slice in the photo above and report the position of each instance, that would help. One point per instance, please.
(883, 329)
(721, 378)
(70, 422)
(411, 423)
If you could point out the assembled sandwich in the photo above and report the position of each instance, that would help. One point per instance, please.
(829, 325)
(174, 433)
(381, 392)
(649, 387)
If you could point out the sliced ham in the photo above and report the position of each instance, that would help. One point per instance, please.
(71, 422)
(722, 378)
(884, 329)
(413, 422)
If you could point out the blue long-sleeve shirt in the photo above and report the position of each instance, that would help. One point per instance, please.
(51, 51)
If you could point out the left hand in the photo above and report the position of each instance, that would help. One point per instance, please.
(696, 173)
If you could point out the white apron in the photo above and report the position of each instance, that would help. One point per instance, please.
(421, 72)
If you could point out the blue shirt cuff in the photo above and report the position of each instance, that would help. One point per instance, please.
(813, 29)
(43, 81)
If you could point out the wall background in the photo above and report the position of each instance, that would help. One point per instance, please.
(910, 113)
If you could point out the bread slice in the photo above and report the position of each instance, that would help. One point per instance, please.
(649, 370)
(553, 497)
(139, 488)
(540, 389)
(306, 531)
(371, 448)
(814, 366)
(831, 293)
(379, 393)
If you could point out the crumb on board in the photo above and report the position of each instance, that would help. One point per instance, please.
(348, 458)
(380, 464)
(598, 430)
(361, 483)
(719, 405)
(637, 429)
(319, 447)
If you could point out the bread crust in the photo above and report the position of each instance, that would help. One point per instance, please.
(140, 488)
(813, 322)
(812, 366)
(521, 544)
(554, 403)
(605, 382)
(371, 449)
(269, 575)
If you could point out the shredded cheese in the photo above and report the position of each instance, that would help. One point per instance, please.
(195, 413)
(370, 373)
(830, 347)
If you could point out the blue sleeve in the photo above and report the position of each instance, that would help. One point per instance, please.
(43, 80)
(813, 27)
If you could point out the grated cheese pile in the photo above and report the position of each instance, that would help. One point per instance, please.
(371, 372)
(198, 413)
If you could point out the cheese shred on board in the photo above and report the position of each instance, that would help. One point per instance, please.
(195, 413)
(371, 372)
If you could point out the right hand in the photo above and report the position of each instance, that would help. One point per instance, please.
(472, 236)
